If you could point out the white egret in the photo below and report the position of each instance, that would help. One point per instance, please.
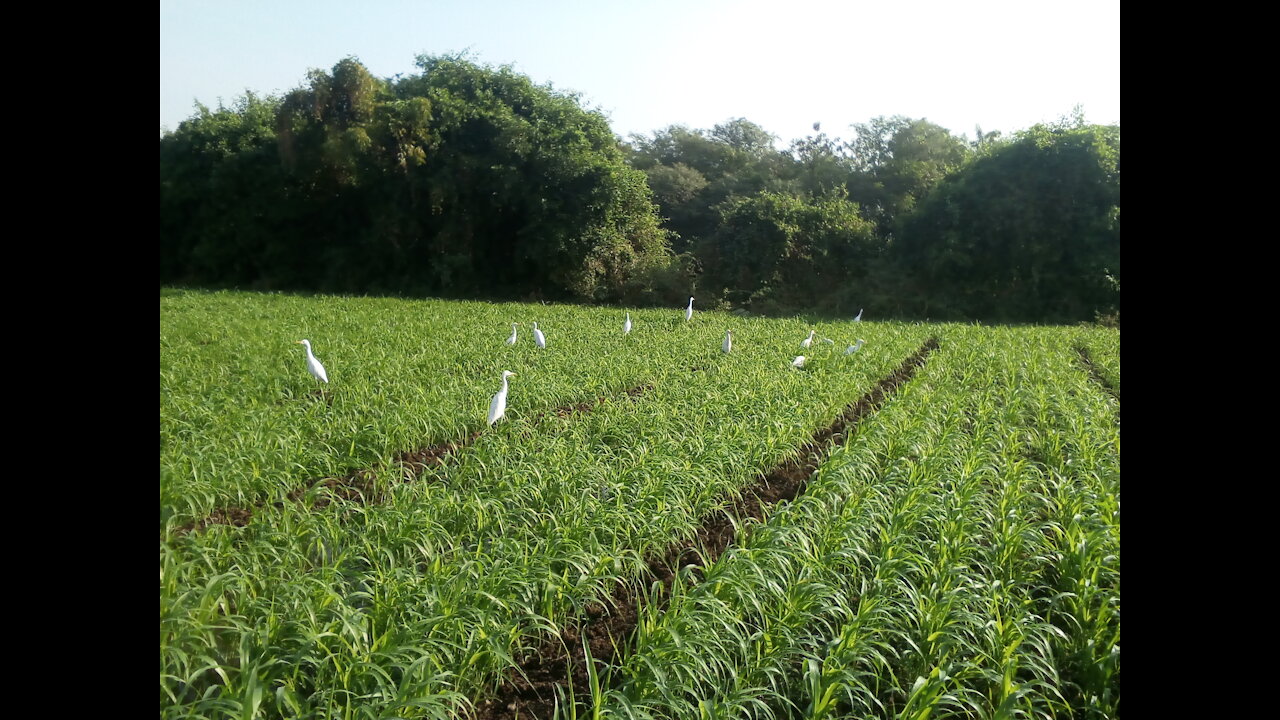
(688, 314)
(798, 362)
(855, 348)
(538, 337)
(512, 340)
(317, 370)
(498, 405)
(626, 326)
(809, 340)
(728, 342)
(859, 317)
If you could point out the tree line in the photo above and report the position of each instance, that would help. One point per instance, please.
(464, 180)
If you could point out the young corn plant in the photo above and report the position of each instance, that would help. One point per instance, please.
(941, 606)
(453, 578)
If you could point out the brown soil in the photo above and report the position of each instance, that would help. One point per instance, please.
(1097, 375)
(358, 486)
(235, 516)
(587, 406)
(530, 689)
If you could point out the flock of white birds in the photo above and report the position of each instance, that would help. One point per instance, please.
(498, 405)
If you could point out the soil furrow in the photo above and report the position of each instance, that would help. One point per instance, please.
(531, 690)
(1097, 375)
(358, 486)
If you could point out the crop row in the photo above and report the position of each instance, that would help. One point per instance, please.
(409, 606)
(959, 559)
(243, 424)
(1101, 351)
(539, 682)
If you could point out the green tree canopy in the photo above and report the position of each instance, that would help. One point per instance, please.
(467, 180)
(1028, 232)
(776, 251)
(897, 161)
(461, 180)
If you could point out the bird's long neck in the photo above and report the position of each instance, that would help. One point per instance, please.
(504, 386)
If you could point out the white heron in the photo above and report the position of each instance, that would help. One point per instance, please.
(855, 348)
(688, 313)
(626, 326)
(859, 317)
(538, 337)
(809, 340)
(498, 405)
(728, 342)
(317, 370)
(512, 340)
(798, 362)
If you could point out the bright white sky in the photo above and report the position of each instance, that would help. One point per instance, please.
(782, 64)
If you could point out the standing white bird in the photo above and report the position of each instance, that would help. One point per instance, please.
(855, 348)
(498, 405)
(798, 362)
(859, 317)
(728, 342)
(317, 370)
(626, 326)
(538, 337)
(809, 340)
(688, 314)
(512, 340)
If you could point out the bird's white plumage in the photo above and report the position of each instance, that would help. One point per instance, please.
(313, 365)
(855, 348)
(809, 340)
(512, 340)
(798, 362)
(859, 317)
(688, 313)
(498, 405)
(626, 326)
(538, 337)
(728, 342)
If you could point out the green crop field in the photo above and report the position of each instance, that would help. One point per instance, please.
(655, 529)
